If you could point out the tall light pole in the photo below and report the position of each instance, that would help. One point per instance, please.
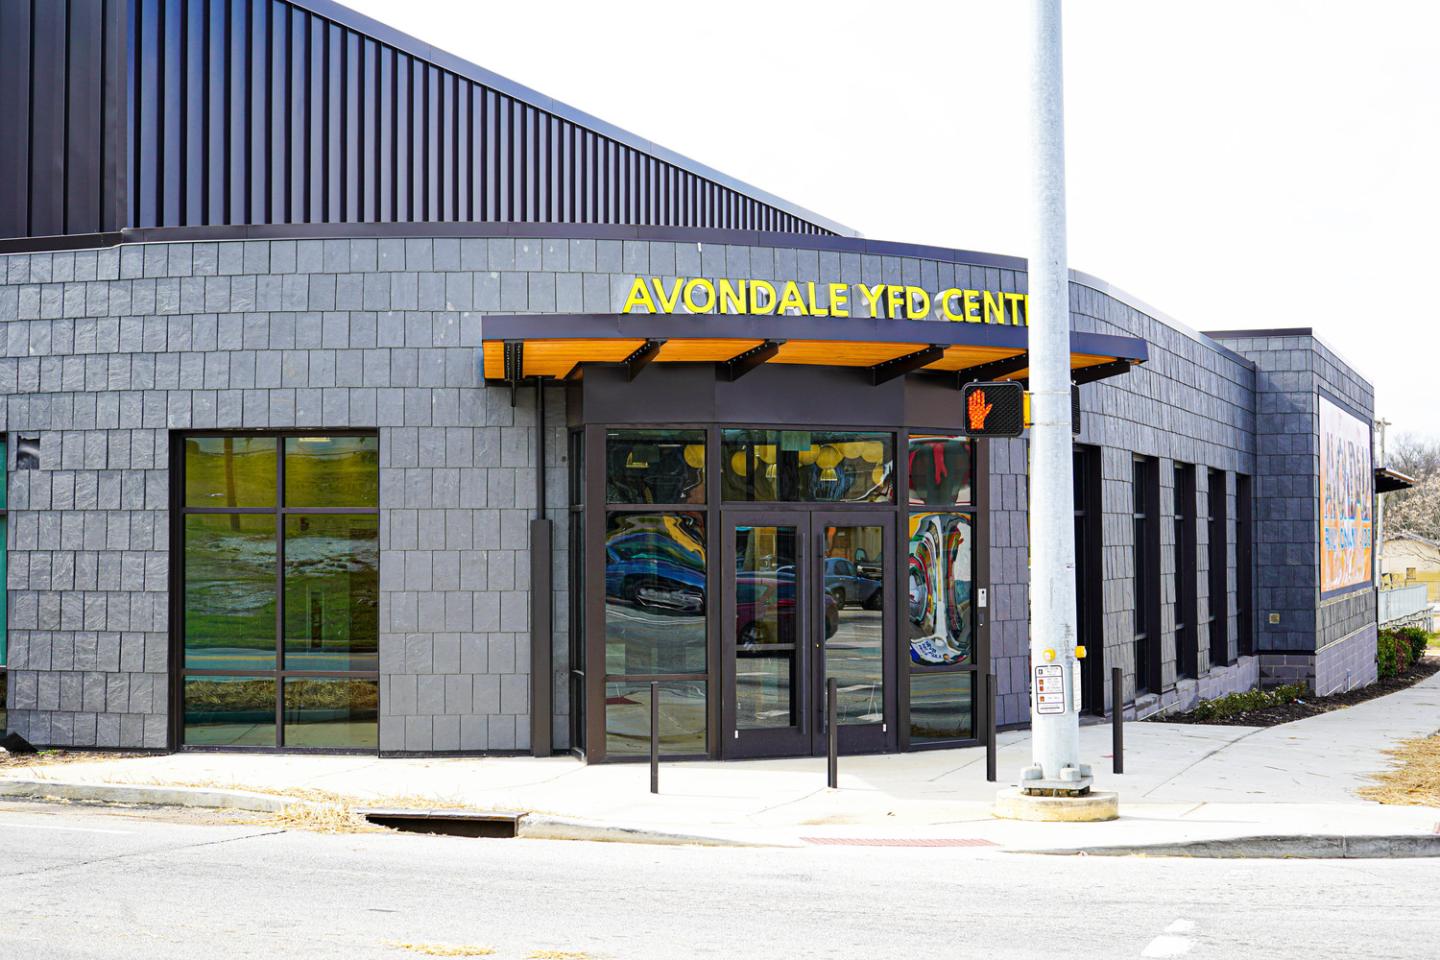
(1055, 732)
(1056, 786)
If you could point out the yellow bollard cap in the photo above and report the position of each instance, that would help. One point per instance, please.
(1049, 655)
(1079, 651)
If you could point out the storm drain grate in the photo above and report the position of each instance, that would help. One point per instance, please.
(447, 823)
(899, 842)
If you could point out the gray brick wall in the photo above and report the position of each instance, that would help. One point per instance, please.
(104, 353)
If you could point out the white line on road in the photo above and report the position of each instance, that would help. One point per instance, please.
(42, 826)
(1171, 943)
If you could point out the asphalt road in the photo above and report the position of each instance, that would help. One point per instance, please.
(85, 883)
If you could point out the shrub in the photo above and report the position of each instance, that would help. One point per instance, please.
(1393, 653)
(1234, 704)
(1418, 638)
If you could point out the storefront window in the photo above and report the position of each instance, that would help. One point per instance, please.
(655, 594)
(940, 470)
(655, 466)
(812, 466)
(250, 617)
(682, 718)
(941, 619)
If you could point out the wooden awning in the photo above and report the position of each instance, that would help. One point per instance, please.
(521, 346)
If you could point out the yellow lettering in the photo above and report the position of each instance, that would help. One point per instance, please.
(708, 288)
(639, 297)
(839, 299)
(1012, 301)
(972, 305)
(667, 304)
(895, 300)
(872, 297)
(917, 303)
(815, 309)
(994, 305)
(790, 298)
(732, 300)
(756, 307)
(945, 296)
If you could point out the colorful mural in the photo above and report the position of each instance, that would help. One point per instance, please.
(1347, 497)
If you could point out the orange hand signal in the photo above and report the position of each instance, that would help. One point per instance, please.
(978, 410)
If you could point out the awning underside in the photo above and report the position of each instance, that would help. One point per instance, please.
(542, 352)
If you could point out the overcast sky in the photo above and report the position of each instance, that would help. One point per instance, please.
(1234, 163)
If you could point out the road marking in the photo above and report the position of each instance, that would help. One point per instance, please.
(1171, 943)
(42, 826)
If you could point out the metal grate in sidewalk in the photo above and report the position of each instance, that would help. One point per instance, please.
(899, 842)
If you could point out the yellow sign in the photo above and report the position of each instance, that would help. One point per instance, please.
(807, 298)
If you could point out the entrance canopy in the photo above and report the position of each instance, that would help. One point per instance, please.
(518, 347)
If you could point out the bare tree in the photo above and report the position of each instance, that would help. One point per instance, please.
(1416, 510)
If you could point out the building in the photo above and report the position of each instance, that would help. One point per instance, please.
(358, 398)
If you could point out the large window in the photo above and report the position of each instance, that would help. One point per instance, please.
(279, 625)
(813, 466)
(1219, 573)
(4, 589)
(656, 590)
(1145, 490)
(941, 607)
(1244, 567)
(1187, 649)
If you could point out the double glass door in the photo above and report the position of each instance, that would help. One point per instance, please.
(806, 599)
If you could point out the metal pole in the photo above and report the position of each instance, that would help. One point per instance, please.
(654, 736)
(1117, 719)
(1055, 736)
(832, 766)
(990, 746)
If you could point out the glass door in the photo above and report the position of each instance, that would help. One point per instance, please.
(853, 633)
(804, 601)
(764, 616)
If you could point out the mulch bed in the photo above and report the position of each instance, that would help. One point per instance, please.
(1312, 706)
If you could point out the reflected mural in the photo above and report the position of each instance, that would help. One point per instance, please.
(941, 619)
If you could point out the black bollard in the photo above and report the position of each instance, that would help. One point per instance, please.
(832, 768)
(991, 698)
(654, 736)
(1117, 720)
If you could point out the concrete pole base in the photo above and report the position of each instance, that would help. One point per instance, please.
(1013, 804)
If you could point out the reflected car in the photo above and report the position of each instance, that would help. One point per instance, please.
(847, 584)
(652, 571)
(765, 610)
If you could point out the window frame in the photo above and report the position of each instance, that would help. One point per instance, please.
(1187, 629)
(179, 672)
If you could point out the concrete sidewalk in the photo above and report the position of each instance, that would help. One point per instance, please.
(1185, 783)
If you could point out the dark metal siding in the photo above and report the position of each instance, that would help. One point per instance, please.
(299, 119)
(59, 130)
(173, 113)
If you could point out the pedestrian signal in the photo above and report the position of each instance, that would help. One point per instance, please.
(994, 409)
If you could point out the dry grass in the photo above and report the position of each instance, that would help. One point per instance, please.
(442, 949)
(52, 758)
(557, 955)
(1415, 780)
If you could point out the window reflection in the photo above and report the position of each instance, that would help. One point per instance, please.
(230, 591)
(655, 466)
(230, 711)
(941, 706)
(655, 592)
(332, 592)
(333, 712)
(940, 470)
(940, 614)
(682, 718)
(230, 471)
(332, 472)
(807, 465)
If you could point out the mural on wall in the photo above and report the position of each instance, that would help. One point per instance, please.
(1346, 499)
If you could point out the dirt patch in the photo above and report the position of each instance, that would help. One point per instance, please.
(1415, 780)
(51, 758)
(1313, 706)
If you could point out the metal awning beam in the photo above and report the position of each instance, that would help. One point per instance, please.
(1099, 371)
(514, 365)
(993, 370)
(910, 362)
(742, 363)
(641, 358)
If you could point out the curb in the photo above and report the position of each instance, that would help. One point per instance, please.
(531, 826)
(1303, 847)
(143, 794)
(534, 826)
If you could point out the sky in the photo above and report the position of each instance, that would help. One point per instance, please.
(1232, 163)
